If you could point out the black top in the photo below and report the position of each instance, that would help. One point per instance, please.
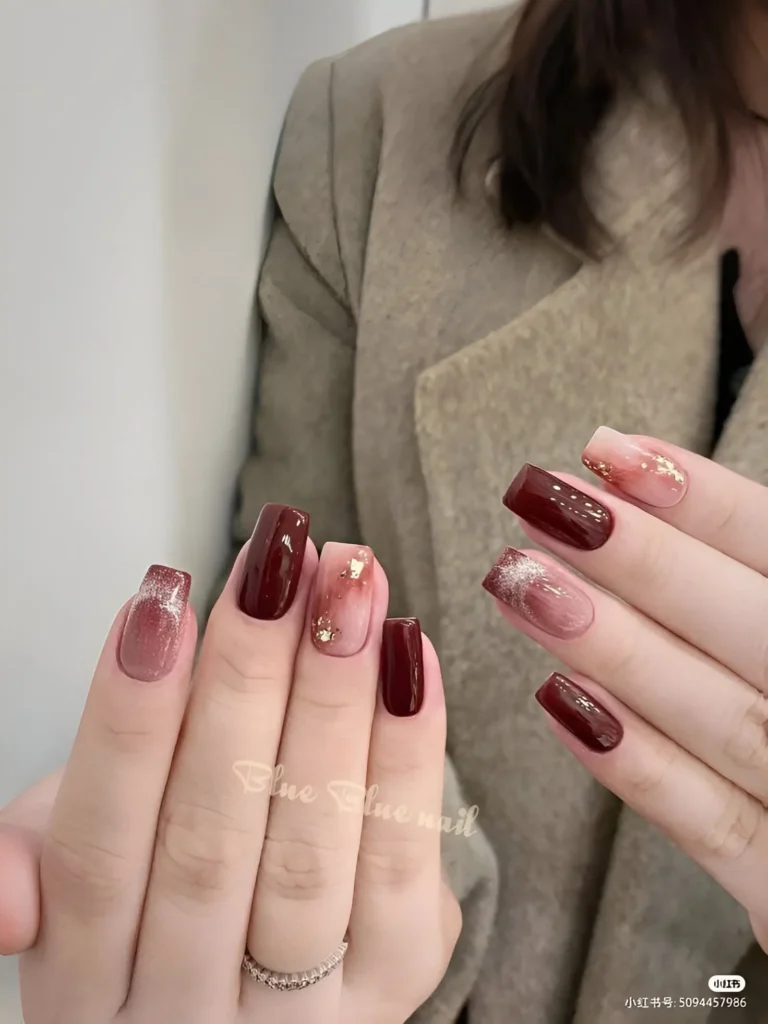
(735, 359)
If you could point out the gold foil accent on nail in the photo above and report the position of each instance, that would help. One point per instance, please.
(666, 467)
(324, 631)
(602, 469)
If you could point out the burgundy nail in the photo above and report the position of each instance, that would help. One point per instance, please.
(402, 667)
(558, 509)
(155, 624)
(274, 562)
(583, 717)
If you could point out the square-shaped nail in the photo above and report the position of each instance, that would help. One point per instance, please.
(274, 562)
(559, 509)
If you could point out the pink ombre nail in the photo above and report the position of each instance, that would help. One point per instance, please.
(341, 612)
(155, 624)
(632, 465)
(541, 594)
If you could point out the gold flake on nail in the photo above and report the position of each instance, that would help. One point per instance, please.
(603, 469)
(324, 631)
(354, 570)
(666, 467)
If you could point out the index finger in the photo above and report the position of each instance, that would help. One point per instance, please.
(696, 495)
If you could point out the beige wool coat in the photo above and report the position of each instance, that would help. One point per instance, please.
(415, 354)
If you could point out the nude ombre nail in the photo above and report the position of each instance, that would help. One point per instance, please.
(584, 717)
(155, 624)
(342, 601)
(541, 594)
(632, 465)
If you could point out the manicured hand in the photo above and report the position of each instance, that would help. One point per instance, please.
(174, 844)
(666, 701)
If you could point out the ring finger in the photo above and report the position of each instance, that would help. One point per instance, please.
(694, 700)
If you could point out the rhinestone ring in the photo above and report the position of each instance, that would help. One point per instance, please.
(292, 982)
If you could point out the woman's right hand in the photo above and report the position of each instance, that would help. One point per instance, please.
(164, 860)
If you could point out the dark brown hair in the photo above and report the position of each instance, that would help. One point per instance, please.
(567, 62)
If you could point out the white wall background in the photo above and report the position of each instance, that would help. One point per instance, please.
(137, 147)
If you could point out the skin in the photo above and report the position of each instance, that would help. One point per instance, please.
(135, 879)
(677, 652)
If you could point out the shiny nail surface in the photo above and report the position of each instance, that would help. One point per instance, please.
(402, 667)
(341, 612)
(274, 561)
(540, 593)
(586, 719)
(631, 465)
(155, 624)
(559, 509)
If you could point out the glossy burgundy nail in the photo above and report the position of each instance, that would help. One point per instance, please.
(274, 562)
(402, 667)
(586, 719)
(155, 624)
(558, 509)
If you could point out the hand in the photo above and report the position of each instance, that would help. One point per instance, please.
(163, 858)
(666, 704)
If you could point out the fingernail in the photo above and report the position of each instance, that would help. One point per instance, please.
(628, 463)
(558, 509)
(583, 717)
(155, 624)
(343, 598)
(541, 594)
(402, 667)
(274, 561)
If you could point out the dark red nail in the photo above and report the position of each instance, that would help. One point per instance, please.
(583, 717)
(402, 667)
(559, 509)
(155, 624)
(274, 561)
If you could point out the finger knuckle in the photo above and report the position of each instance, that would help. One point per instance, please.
(131, 740)
(390, 859)
(653, 562)
(86, 873)
(747, 744)
(333, 705)
(620, 656)
(297, 869)
(238, 663)
(200, 849)
(650, 774)
(721, 515)
(735, 828)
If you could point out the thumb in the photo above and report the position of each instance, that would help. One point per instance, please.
(22, 826)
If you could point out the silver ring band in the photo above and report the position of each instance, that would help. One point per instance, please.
(292, 982)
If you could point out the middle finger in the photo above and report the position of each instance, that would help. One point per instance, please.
(685, 585)
(700, 704)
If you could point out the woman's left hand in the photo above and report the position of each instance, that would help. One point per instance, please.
(666, 704)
